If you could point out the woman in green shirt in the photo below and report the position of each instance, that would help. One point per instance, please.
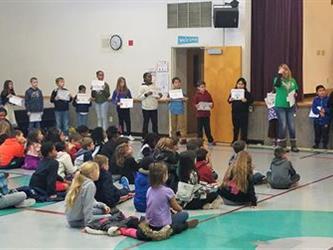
(286, 92)
(101, 98)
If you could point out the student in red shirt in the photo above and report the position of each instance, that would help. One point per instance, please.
(12, 151)
(204, 167)
(203, 102)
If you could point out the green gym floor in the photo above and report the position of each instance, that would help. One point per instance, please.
(299, 218)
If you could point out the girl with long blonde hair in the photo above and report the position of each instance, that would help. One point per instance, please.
(237, 187)
(286, 92)
(81, 206)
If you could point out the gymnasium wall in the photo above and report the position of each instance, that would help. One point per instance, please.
(69, 38)
(318, 44)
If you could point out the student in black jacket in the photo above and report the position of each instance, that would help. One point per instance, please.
(240, 111)
(112, 134)
(61, 99)
(106, 192)
(81, 107)
(44, 178)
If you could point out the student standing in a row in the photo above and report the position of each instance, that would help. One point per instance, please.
(34, 103)
(149, 95)
(101, 102)
(61, 105)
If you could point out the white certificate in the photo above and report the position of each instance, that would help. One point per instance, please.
(18, 101)
(82, 99)
(270, 100)
(291, 98)
(126, 103)
(63, 95)
(313, 115)
(176, 94)
(35, 117)
(97, 85)
(238, 94)
(205, 106)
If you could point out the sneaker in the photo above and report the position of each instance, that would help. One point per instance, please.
(124, 182)
(90, 230)
(26, 203)
(216, 204)
(192, 223)
(294, 149)
(213, 143)
(131, 138)
(113, 231)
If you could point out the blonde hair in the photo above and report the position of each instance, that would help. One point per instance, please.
(101, 160)
(165, 143)
(86, 142)
(239, 171)
(157, 172)
(85, 171)
(286, 67)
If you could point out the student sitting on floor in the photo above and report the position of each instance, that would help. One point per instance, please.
(74, 145)
(167, 151)
(12, 151)
(239, 146)
(66, 168)
(98, 135)
(159, 201)
(33, 155)
(83, 130)
(44, 180)
(124, 163)
(12, 198)
(112, 134)
(142, 184)
(237, 187)
(106, 191)
(191, 194)
(55, 135)
(148, 145)
(81, 206)
(86, 151)
(281, 174)
(204, 167)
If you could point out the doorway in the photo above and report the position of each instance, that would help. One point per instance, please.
(188, 65)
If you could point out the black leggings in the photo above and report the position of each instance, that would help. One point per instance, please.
(199, 203)
(240, 122)
(124, 117)
(150, 115)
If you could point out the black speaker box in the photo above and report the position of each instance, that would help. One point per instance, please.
(225, 17)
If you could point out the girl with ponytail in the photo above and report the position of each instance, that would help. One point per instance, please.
(81, 206)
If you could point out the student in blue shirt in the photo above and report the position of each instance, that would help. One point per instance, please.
(177, 113)
(320, 107)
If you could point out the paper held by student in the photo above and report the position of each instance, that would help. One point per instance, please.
(291, 98)
(313, 115)
(63, 95)
(82, 99)
(97, 85)
(237, 94)
(126, 103)
(205, 106)
(16, 100)
(176, 94)
(270, 100)
(35, 117)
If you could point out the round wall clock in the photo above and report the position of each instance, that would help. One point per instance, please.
(116, 42)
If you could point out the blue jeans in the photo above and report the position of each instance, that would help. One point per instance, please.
(286, 120)
(102, 110)
(179, 218)
(62, 120)
(81, 119)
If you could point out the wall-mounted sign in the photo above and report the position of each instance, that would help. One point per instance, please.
(187, 39)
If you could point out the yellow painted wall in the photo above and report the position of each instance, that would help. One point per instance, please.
(318, 44)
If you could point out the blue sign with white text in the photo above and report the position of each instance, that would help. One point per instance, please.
(187, 39)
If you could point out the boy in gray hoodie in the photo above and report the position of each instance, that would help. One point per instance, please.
(281, 174)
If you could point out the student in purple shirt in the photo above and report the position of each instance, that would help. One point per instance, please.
(159, 201)
(122, 92)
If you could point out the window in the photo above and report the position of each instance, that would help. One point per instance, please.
(190, 15)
